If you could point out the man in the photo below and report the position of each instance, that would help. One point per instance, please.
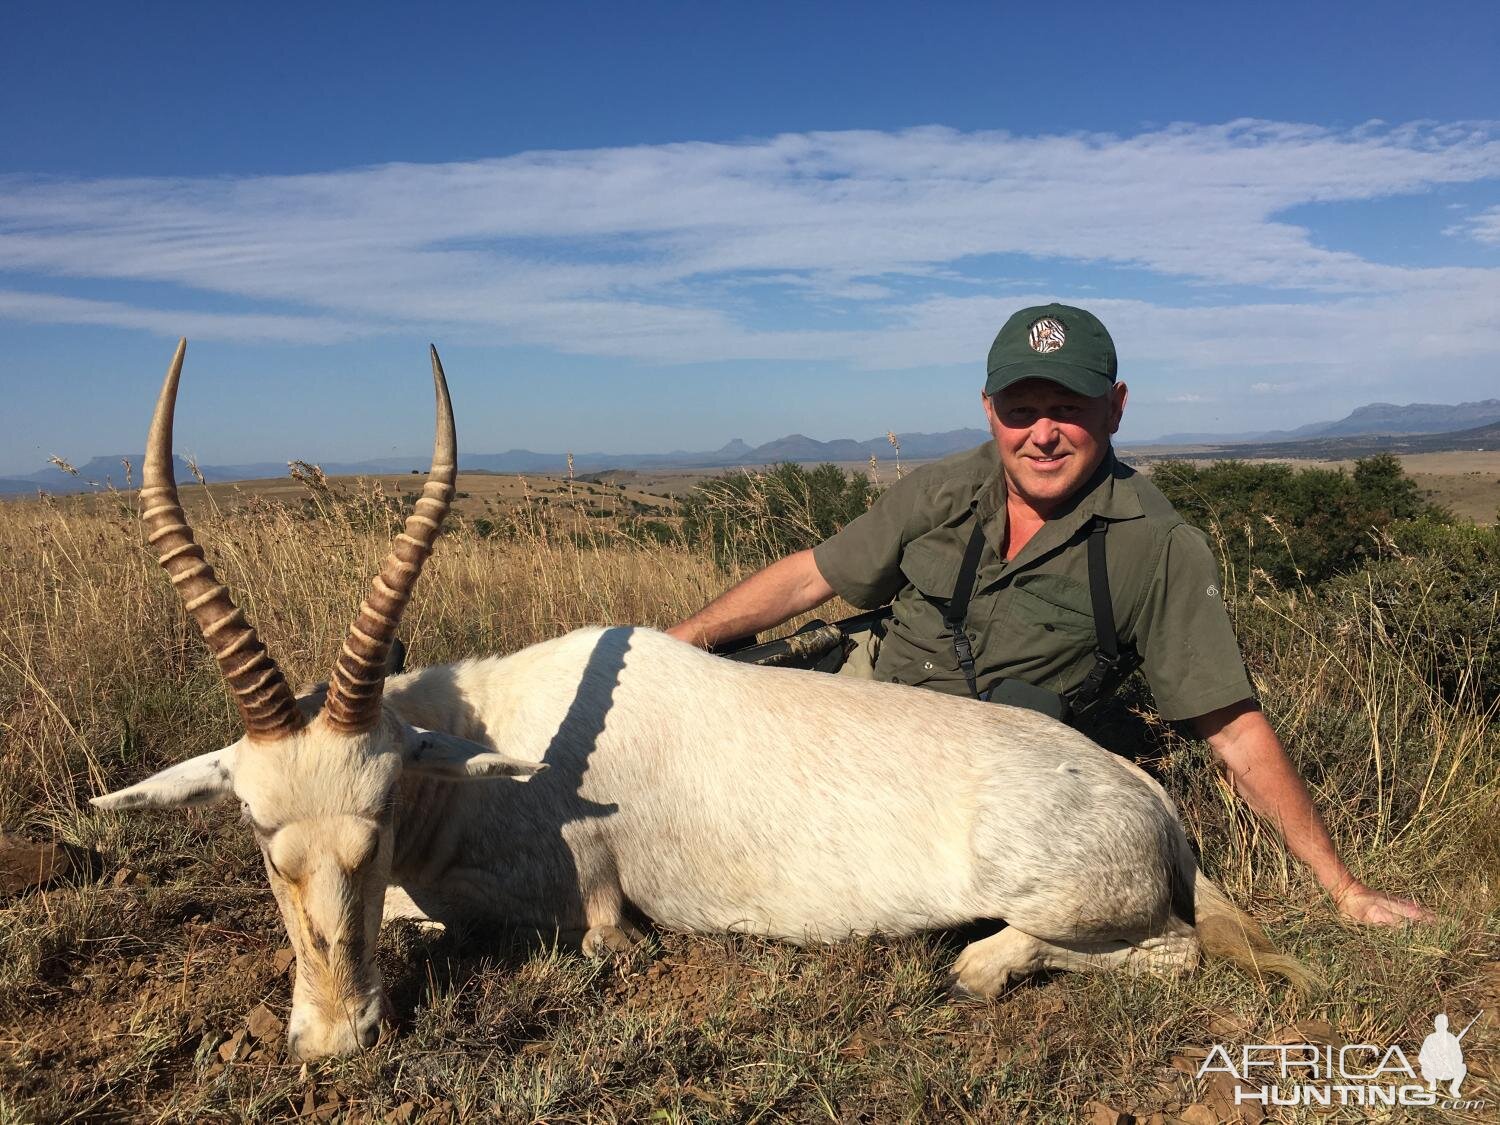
(1026, 506)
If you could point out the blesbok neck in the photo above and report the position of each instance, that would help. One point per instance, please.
(428, 829)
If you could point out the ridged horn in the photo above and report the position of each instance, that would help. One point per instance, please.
(259, 689)
(358, 678)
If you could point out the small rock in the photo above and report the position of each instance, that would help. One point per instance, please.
(1307, 1031)
(263, 1024)
(25, 864)
(232, 1046)
(1097, 1113)
(1226, 1025)
(283, 960)
(1198, 1114)
(1188, 1062)
(1220, 1095)
(135, 969)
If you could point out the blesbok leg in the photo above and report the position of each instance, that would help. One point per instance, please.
(985, 967)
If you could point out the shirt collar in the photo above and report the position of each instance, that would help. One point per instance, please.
(1109, 492)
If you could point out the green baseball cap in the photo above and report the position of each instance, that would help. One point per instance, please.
(1056, 342)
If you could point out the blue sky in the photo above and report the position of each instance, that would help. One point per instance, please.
(657, 226)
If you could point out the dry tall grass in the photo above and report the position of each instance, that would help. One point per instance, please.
(116, 998)
(99, 661)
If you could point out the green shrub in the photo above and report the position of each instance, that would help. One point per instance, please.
(1435, 596)
(754, 518)
(1298, 527)
(649, 530)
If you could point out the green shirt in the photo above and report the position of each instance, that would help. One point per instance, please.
(1031, 618)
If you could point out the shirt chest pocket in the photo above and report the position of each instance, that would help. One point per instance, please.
(931, 563)
(1054, 604)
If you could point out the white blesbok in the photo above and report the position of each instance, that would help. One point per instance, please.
(703, 794)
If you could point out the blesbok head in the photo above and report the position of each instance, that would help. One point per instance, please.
(316, 777)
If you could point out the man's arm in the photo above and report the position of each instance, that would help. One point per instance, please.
(768, 597)
(1264, 776)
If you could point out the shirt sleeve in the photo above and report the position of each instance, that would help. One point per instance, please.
(863, 561)
(1190, 656)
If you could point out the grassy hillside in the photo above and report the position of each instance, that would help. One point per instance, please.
(152, 988)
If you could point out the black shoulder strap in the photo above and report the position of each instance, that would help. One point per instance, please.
(1111, 666)
(958, 605)
(1104, 611)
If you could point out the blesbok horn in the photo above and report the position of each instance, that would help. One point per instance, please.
(259, 689)
(359, 671)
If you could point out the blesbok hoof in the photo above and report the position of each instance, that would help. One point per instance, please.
(607, 941)
(958, 992)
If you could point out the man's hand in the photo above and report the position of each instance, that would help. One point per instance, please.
(1360, 903)
(1265, 778)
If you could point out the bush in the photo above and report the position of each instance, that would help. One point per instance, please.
(755, 518)
(650, 531)
(1436, 596)
(1296, 527)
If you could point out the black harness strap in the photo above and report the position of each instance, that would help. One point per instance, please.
(1104, 610)
(958, 606)
(1111, 666)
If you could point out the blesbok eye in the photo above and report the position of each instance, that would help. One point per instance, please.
(364, 851)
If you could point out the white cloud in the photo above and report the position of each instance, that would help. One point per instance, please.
(1484, 227)
(1188, 398)
(685, 252)
(38, 308)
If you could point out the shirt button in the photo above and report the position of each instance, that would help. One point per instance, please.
(927, 666)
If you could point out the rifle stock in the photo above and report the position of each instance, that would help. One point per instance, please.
(808, 643)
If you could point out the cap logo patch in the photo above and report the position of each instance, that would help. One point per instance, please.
(1046, 335)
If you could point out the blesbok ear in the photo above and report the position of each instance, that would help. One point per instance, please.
(438, 754)
(197, 781)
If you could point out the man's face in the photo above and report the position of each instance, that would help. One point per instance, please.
(1050, 439)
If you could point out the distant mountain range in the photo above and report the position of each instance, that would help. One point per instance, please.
(1380, 426)
(1338, 447)
(1376, 418)
(105, 471)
